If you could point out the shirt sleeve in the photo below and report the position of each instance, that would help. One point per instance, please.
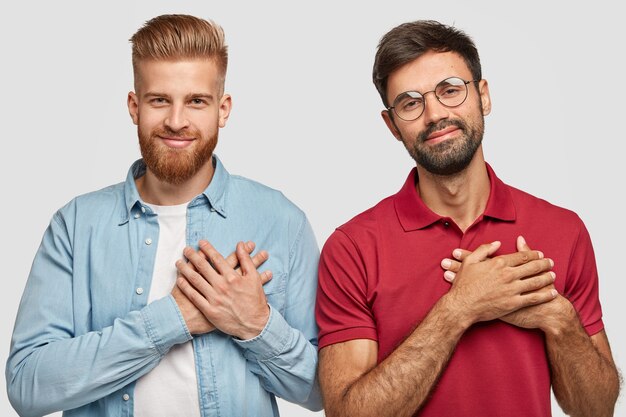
(581, 286)
(50, 367)
(284, 355)
(343, 312)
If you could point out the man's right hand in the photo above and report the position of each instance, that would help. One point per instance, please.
(489, 288)
(196, 322)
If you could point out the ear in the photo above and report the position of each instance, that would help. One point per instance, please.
(133, 107)
(391, 125)
(485, 98)
(224, 109)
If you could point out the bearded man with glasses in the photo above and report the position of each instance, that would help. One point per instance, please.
(432, 303)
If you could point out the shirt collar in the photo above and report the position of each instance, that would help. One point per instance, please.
(218, 187)
(215, 193)
(414, 214)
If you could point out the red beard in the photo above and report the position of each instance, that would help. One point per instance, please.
(175, 166)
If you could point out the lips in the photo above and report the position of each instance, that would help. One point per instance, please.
(442, 134)
(176, 142)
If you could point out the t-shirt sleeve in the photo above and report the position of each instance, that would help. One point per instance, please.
(581, 286)
(342, 309)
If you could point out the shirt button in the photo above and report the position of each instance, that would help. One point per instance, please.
(137, 215)
(139, 291)
(212, 208)
(125, 397)
(446, 224)
(143, 209)
(148, 241)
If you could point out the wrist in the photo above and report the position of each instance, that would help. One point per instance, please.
(563, 319)
(255, 327)
(457, 318)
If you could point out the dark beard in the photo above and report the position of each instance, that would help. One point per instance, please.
(450, 156)
(175, 166)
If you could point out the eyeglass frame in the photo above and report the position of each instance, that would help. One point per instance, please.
(390, 108)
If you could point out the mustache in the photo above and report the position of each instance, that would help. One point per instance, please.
(439, 126)
(179, 134)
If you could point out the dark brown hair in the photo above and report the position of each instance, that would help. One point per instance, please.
(409, 41)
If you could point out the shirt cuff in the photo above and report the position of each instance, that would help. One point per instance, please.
(165, 324)
(272, 340)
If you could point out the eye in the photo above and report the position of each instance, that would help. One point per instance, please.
(411, 105)
(158, 101)
(450, 87)
(198, 102)
(449, 90)
(409, 102)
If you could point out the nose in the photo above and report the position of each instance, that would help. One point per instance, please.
(434, 111)
(176, 119)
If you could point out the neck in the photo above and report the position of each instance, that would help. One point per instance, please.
(160, 193)
(461, 197)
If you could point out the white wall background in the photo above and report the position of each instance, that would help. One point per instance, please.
(306, 115)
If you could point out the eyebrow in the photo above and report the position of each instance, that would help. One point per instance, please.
(205, 96)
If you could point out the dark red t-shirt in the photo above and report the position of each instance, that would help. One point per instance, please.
(380, 274)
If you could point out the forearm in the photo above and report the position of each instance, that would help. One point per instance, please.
(585, 382)
(57, 372)
(400, 384)
(285, 361)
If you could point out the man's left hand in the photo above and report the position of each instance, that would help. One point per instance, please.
(233, 300)
(539, 316)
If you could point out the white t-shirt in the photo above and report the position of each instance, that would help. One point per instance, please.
(171, 388)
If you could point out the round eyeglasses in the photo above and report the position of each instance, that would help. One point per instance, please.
(450, 92)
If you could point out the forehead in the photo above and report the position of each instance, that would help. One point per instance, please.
(178, 76)
(423, 73)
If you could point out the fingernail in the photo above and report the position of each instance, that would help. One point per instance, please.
(457, 253)
(522, 240)
(551, 262)
(553, 276)
(540, 254)
(449, 276)
(554, 293)
(446, 263)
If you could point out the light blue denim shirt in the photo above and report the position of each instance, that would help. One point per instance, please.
(84, 332)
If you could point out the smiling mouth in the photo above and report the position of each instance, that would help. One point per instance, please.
(442, 134)
(176, 142)
(175, 138)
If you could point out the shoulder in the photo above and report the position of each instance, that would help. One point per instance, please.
(363, 230)
(368, 223)
(266, 201)
(105, 202)
(542, 210)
